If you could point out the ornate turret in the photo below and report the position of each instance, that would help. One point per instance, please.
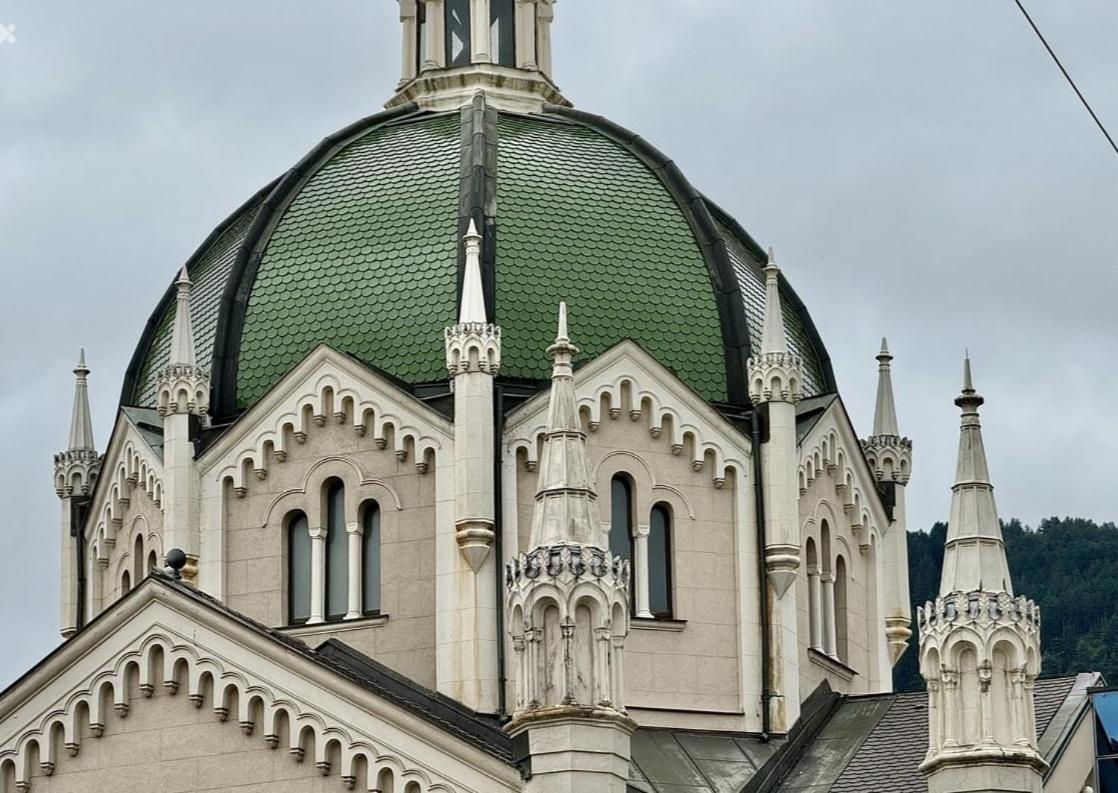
(75, 470)
(890, 457)
(75, 473)
(184, 387)
(979, 645)
(184, 398)
(454, 48)
(568, 613)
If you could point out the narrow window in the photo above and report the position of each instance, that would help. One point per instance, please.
(621, 518)
(125, 584)
(842, 629)
(458, 33)
(138, 559)
(298, 568)
(337, 561)
(153, 561)
(370, 546)
(660, 562)
(502, 31)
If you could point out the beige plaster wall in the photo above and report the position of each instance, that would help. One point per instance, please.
(255, 546)
(167, 745)
(142, 517)
(819, 502)
(695, 666)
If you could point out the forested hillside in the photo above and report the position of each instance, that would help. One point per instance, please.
(1069, 567)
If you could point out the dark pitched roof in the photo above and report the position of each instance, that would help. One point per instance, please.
(876, 743)
(483, 732)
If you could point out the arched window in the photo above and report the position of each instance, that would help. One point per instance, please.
(842, 631)
(337, 556)
(125, 583)
(298, 568)
(660, 562)
(370, 558)
(502, 32)
(458, 52)
(621, 518)
(138, 558)
(153, 561)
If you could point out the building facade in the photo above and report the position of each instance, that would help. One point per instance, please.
(369, 519)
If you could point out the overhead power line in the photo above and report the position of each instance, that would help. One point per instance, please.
(1067, 76)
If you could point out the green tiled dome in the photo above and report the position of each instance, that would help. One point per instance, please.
(358, 247)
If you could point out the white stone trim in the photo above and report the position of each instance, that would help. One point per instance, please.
(626, 378)
(237, 658)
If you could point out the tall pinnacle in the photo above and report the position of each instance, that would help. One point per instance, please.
(974, 558)
(885, 414)
(182, 335)
(473, 298)
(773, 337)
(81, 424)
(566, 505)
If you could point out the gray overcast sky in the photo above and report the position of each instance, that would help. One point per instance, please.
(921, 168)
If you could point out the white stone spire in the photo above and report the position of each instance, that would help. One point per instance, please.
(979, 645)
(974, 558)
(885, 414)
(182, 334)
(890, 457)
(473, 296)
(183, 386)
(76, 468)
(569, 654)
(566, 505)
(81, 425)
(776, 375)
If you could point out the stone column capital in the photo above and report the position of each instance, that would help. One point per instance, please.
(317, 532)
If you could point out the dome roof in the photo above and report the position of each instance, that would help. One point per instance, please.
(358, 247)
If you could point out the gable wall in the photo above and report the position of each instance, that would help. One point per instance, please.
(256, 554)
(689, 668)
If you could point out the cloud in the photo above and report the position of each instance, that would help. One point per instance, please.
(921, 169)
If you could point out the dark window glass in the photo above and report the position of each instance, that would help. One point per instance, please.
(421, 36)
(621, 518)
(125, 583)
(1108, 775)
(458, 32)
(371, 559)
(138, 559)
(502, 31)
(337, 562)
(660, 562)
(298, 568)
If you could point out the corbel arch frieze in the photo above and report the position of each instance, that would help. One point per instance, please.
(626, 383)
(358, 488)
(326, 387)
(129, 465)
(647, 491)
(162, 659)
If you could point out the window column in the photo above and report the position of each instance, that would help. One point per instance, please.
(318, 574)
(435, 31)
(815, 607)
(830, 637)
(409, 22)
(479, 31)
(640, 570)
(354, 532)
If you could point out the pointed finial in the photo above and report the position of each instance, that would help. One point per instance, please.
(182, 332)
(472, 311)
(770, 265)
(773, 338)
(884, 356)
(472, 233)
(81, 370)
(184, 279)
(969, 400)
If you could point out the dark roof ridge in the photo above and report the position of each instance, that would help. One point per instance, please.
(724, 284)
(234, 301)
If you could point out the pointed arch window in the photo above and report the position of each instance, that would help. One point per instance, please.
(153, 561)
(298, 568)
(125, 584)
(621, 517)
(138, 558)
(370, 561)
(660, 562)
(842, 628)
(458, 52)
(337, 555)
